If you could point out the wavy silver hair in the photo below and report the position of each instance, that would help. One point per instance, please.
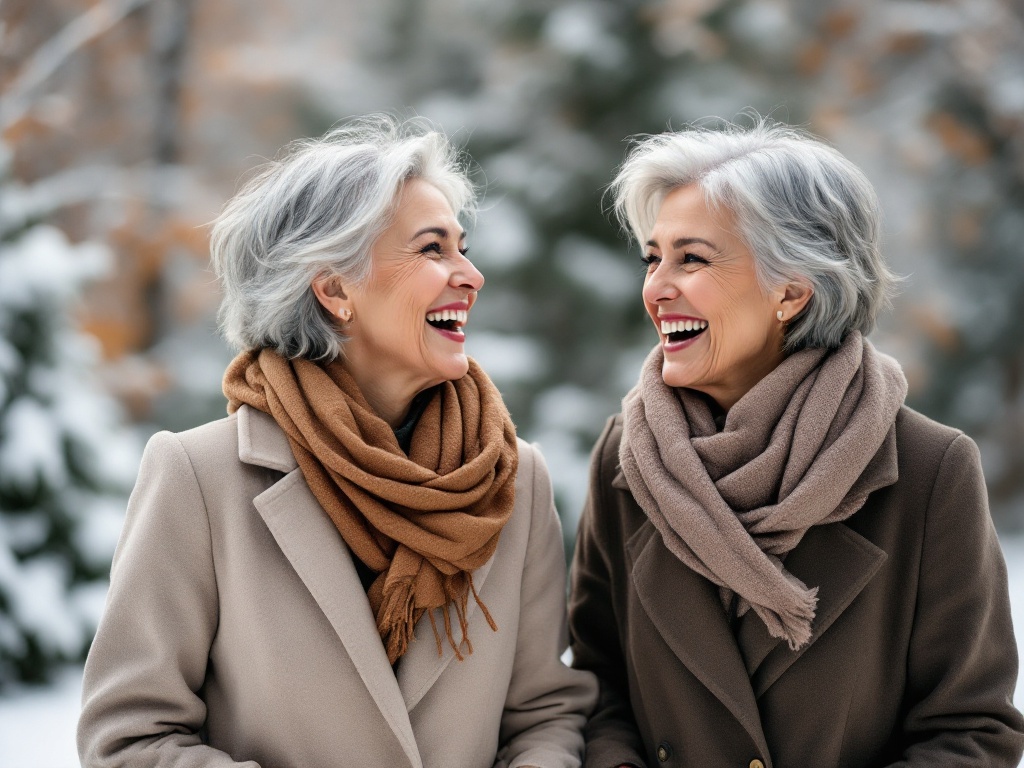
(317, 210)
(805, 211)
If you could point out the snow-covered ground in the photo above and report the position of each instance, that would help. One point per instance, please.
(37, 727)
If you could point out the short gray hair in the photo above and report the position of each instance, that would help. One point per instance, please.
(317, 210)
(805, 211)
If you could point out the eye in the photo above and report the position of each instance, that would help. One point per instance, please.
(434, 247)
(649, 260)
(692, 258)
(464, 250)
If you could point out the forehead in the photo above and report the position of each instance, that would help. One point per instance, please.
(684, 208)
(421, 202)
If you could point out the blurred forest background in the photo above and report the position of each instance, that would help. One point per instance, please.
(125, 124)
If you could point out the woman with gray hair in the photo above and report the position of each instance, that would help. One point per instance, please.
(361, 564)
(780, 564)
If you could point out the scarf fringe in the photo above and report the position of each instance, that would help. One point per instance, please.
(483, 608)
(460, 602)
(397, 619)
(793, 625)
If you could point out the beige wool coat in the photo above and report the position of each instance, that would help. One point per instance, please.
(237, 632)
(911, 661)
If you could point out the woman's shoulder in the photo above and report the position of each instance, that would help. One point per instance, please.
(604, 459)
(923, 443)
(532, 472)
(217, 434)
(213, 441)
(534, 491)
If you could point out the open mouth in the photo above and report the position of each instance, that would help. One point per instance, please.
(448, 320)
(682, 330)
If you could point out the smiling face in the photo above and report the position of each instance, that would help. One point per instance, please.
(718, 327)
(406, 332)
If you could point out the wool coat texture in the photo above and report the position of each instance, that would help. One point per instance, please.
(237, 632)
(911, 662)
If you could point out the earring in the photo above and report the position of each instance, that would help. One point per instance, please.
(779, 315)
(345, 314)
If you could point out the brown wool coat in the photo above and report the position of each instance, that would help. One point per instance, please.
(237, 631)
(912, 659)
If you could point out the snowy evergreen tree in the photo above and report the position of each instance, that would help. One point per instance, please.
(65, 461)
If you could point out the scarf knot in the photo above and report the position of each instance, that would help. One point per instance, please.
(804, 447)
(423, 521)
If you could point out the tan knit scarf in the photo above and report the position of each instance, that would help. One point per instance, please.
(423, 522)
(805, 446)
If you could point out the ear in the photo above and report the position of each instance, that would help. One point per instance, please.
(330, 292)
(792, 298)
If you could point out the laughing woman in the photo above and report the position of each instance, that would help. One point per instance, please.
(361, 565)
(781, 564)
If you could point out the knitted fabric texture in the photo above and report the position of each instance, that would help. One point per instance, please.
(423, 522)
(804, 447)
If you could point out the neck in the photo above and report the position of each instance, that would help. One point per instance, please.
(388, 396)
(730, 393)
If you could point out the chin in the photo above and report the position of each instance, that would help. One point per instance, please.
(675, 375)
(453, 369)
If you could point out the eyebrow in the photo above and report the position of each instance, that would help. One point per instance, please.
(439, 231)
(684, 241)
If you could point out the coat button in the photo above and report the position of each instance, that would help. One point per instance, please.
(755, 763)
(665, 752)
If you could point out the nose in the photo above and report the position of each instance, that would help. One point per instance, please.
(658, 288)
(466, 276)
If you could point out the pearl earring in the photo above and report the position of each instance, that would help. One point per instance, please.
(779, 315)
(345, 314)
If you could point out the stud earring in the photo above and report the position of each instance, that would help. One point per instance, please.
(779, 315)
(345, 314)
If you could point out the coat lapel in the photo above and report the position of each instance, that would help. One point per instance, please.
(421, 666)
(840, 563)
(690, 618)
(319, 556)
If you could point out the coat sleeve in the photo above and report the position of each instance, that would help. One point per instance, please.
(547, 702)
(140, 700)
(612, 737)
(962, 665)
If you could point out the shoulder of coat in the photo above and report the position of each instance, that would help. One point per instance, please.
(212, 443)
(922, 439)
(607, 446)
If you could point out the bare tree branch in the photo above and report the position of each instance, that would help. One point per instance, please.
(58, 49)
(161, 186)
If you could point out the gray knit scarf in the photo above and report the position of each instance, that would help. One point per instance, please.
(804, 447)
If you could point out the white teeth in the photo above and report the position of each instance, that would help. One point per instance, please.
(682, 325)
(458, 315)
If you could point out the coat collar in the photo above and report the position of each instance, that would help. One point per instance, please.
(316, 551)
(739, 669)
(262, 442)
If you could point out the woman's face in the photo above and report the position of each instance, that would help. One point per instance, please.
(700, 276)
(408, 317)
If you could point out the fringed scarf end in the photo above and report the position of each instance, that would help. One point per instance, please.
(397, 620)
(483, 608)
(795, 626)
